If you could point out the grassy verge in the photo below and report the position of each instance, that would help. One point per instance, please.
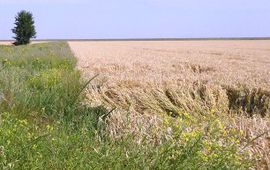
(45, 125)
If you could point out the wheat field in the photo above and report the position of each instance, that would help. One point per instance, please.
(146, 79)
(218, 62)
(140, 65)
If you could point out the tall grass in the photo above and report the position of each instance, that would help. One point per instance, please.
(45, 123)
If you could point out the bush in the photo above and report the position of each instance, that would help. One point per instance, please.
(24, 28)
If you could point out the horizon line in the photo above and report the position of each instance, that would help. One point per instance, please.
(146, 39)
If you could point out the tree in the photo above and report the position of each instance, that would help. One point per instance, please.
(24, 28)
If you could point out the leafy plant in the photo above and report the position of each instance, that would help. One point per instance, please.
(24, 28)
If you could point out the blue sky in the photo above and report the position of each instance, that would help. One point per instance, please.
(140, 18)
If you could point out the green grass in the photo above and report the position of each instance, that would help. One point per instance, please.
(45, 125)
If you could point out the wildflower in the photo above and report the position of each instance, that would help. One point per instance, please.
(2, 150)
(23, 122)
(34, 146)
(29, 135)
(49, 128)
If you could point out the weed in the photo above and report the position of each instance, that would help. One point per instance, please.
(45, 122)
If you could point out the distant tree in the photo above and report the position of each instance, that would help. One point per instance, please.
(24, 28)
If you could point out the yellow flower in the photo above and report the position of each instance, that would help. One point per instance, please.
(34, 146)
(23, 122)
(49, 128)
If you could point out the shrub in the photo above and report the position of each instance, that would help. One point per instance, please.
(24, 28)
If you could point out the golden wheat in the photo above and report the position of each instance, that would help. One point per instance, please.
(181, 78)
